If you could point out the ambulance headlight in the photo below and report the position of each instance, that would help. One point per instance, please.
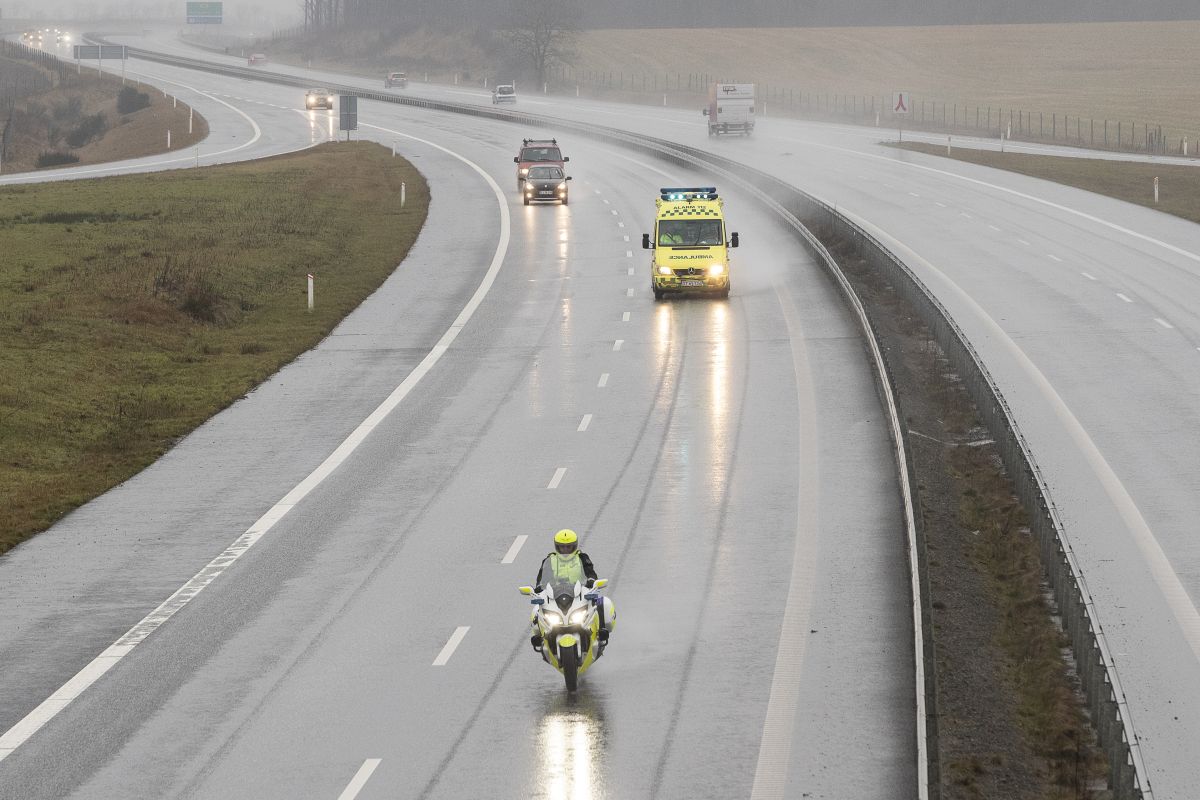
(665, 271)
(716, 269)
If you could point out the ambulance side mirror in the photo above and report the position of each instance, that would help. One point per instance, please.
(646, 242)
(733, 240)
(704, 111)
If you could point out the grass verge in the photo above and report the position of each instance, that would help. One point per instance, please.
(1133, 182)
(81, 118)
(134, 308)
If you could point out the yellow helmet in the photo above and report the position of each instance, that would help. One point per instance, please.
(566, 542)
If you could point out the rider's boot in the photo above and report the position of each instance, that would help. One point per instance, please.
(536, 641)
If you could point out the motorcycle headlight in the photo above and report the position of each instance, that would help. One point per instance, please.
(716, 269)
(665, 271)
(553, 618)
(578, 616)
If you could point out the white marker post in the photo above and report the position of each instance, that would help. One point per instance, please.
(190, 120)
(168, 138)
(310, 291)
(1185, 146)
(947, 145)
(174, 101)
(1156, 190)
(403, 198)
(197, 156)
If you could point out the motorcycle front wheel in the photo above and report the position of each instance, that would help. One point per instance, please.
(570, 667)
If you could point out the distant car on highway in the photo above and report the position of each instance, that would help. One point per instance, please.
(256, 59)
(546, 183)
(537, 152)
(504, 93)
(399, 79)
(318, 98)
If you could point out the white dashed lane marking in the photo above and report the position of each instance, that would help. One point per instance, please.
(359, 780)
(600, 384)
(993, 227)
(629, 254)
(629, 292)
(965, 214)
(939, 205)
(1123, 297)
(1088, 275)
(1164, 323)
(584, 423)
(455, 640)
(617, 344)
(557, 479)
(515, 548)
(625, 317)
(1022, 241)
(1053, 257)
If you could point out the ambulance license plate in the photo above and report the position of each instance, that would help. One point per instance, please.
(691, 283)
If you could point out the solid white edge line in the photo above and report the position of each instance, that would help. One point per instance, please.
(360, 779)
(49, 708)
(557, 479)
(515, 548)
(455, 640)
(1188, 254)
(775, 744)
(584, 423)
(1163, 572)
(38, 177)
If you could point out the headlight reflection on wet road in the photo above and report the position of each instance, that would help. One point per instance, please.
(570, 749)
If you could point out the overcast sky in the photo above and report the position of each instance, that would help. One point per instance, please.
(674, 13)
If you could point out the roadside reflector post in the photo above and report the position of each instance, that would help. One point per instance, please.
(1156, 190)
(947, 145)
(174, 101)
(1001, 141)
(664, 96)
(577, 93)
(546, 88)
(1185, 145)
(190, 110)
(403, 197)
(876, 119)
(310, 291)
(393, 148)
(168, 138)
(197, 156)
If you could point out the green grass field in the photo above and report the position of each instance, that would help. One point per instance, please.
(134, 308)
(1179, 185)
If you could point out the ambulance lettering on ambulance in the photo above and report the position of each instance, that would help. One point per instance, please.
(690, 252)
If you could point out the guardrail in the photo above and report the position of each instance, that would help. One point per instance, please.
(1109, 710)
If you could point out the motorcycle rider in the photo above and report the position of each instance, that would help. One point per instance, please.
(566, 565)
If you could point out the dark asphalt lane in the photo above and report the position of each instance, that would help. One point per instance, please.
(731, 443)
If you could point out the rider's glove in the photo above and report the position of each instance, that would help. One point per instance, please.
(591, 584)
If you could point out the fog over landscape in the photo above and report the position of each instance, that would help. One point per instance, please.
(666, 13)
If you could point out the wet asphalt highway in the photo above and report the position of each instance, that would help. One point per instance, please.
(726, 463)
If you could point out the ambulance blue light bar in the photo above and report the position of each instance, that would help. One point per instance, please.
(689, 193)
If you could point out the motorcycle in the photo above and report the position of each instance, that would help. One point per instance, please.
(569, 618)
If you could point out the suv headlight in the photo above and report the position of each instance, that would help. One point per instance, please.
(524, 170)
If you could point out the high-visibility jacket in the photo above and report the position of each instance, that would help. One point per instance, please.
(575, 568)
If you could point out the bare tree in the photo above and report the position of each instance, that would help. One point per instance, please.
(543, 32)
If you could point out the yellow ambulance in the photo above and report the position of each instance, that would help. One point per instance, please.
(690, 251)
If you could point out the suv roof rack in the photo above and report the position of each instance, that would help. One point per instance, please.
(527, 142)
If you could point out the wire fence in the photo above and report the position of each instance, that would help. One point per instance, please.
(926, 114)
